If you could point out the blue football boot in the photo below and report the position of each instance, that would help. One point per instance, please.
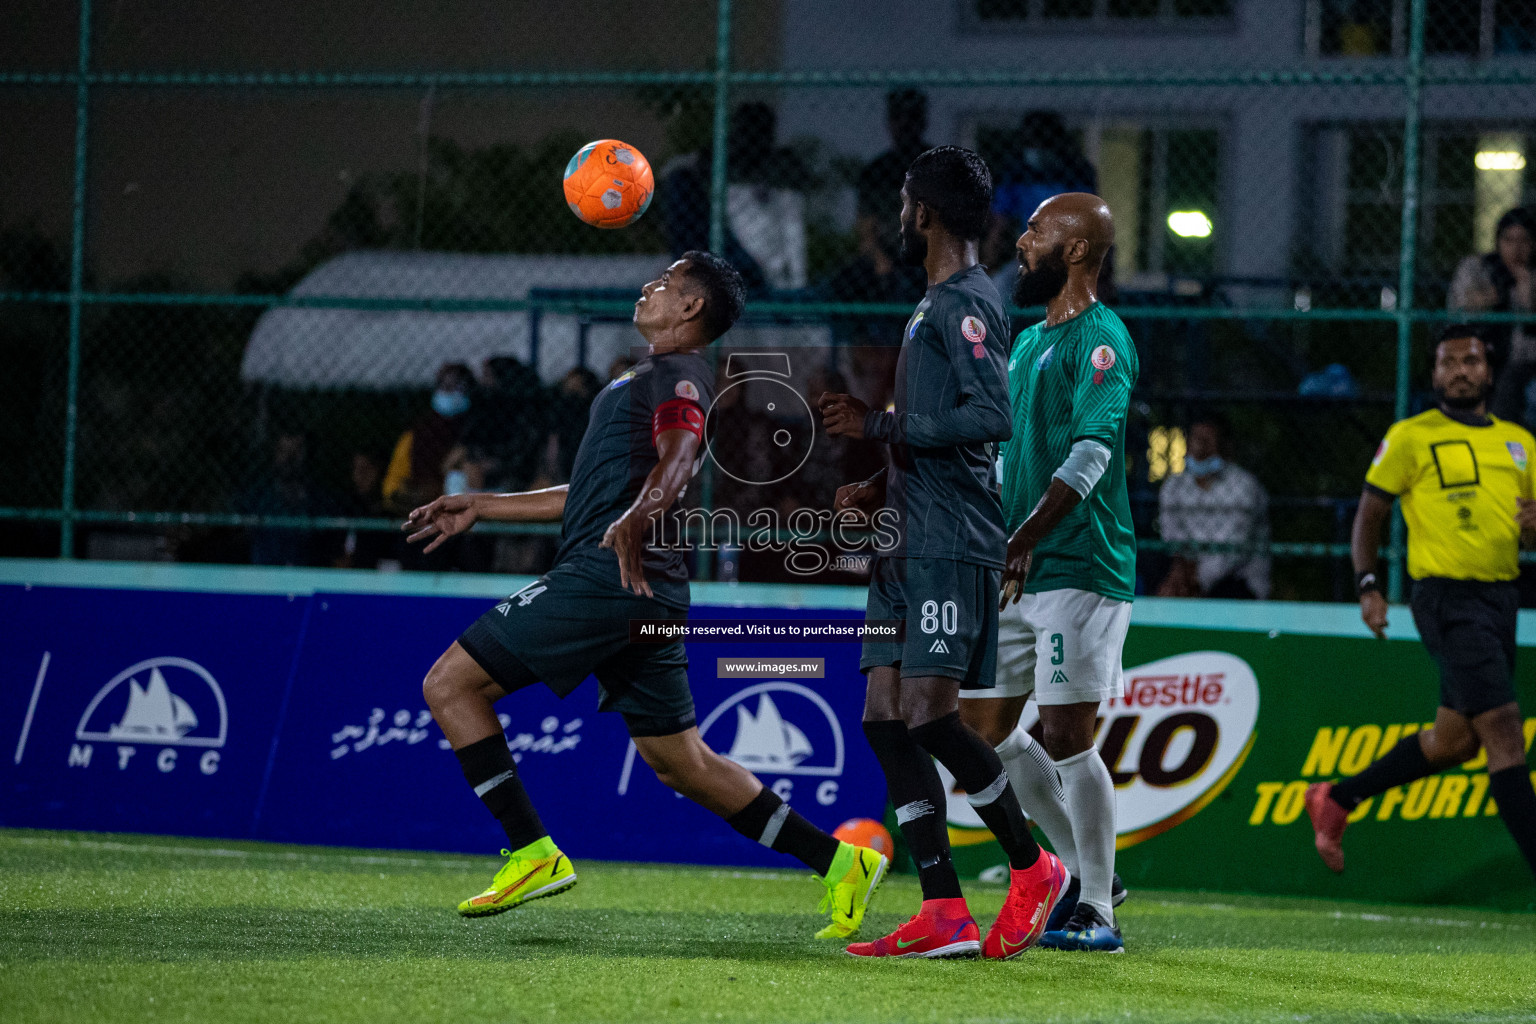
(1085, 931)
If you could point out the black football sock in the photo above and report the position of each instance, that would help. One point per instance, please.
(979, 771)
(770, 821)
(1397, 767)
(917, 793)
(490, 770)
(1511, 788)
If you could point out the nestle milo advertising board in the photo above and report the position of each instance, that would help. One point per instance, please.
(1220, 732)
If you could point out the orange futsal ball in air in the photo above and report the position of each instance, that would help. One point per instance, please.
(865, 832)
(608, 184)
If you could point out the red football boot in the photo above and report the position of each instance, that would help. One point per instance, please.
(1328, 821)
(941, 929)
(1031, 895)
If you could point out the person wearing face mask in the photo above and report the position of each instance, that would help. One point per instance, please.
(1214, 502)
(1465, 480)
(415, 474)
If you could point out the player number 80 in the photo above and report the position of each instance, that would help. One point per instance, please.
(932, 613)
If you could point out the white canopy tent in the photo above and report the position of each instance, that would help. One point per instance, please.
(310, 347)
(307, 347)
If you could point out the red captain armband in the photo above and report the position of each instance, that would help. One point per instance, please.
(678, 414)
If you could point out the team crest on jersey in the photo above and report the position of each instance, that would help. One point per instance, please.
(1103, 357)
(685, 389)
(619, 382)
(974, 330)
(1516, 452)
(912, 327)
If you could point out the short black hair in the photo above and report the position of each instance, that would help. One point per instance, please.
(725, 294)
(1516, 217)
(1450, 332)
(955, 184)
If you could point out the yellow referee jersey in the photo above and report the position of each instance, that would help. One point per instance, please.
(1458, 486)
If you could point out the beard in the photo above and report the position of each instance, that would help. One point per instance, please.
(913, 247)
(1464, 402)
(1041, 285)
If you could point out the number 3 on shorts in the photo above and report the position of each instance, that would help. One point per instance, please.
(1058, 654)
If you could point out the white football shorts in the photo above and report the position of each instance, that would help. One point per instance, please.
(1064, 646)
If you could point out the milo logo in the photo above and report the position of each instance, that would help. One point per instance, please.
(1176, 739)
(1172, 744)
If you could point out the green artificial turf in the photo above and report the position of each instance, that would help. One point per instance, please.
(130, 928)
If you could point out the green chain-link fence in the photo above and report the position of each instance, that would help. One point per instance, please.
(183, 382)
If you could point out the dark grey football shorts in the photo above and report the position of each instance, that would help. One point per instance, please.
(564, 627)
(950, 609)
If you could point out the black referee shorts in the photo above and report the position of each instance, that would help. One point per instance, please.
(1468, 627)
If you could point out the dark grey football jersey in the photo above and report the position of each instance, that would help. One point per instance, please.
(951, 408)
(616, 454)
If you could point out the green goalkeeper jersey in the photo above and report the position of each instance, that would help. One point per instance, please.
(1070, 382)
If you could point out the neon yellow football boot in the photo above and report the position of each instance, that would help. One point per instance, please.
(537, 870)
(858, 872)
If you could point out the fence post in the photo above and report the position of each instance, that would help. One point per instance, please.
(76, 287)
(1407, 263)
(720, 140)
(721, 131)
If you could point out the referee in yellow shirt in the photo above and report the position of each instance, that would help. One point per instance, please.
(1466, 483)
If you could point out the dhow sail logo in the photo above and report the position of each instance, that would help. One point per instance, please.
(782, 730)
(765, 742)
(160, 702)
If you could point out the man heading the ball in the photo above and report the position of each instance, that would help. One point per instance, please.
(1071, 555)
(640, 449)
(951, 407)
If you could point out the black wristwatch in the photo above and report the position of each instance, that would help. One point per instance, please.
(1366, 581)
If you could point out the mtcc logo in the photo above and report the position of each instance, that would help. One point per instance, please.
(168, 703)
(782, 729)
(774, 729)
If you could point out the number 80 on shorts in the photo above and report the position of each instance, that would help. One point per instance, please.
(935, 615)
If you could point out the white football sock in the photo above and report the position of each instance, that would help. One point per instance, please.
(1038, 787)
(1090, 801)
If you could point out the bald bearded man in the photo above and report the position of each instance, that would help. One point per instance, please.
(1071, 560)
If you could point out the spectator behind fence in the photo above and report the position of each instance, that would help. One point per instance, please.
(1046, 162)
(286, 489)
(364, 499)
(875, 274)
(683, 190)
(1500, 281)
(1214, 501)
(765, 198)
(502, 451)
(507, 423)
(570, 407)
(415, 474)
